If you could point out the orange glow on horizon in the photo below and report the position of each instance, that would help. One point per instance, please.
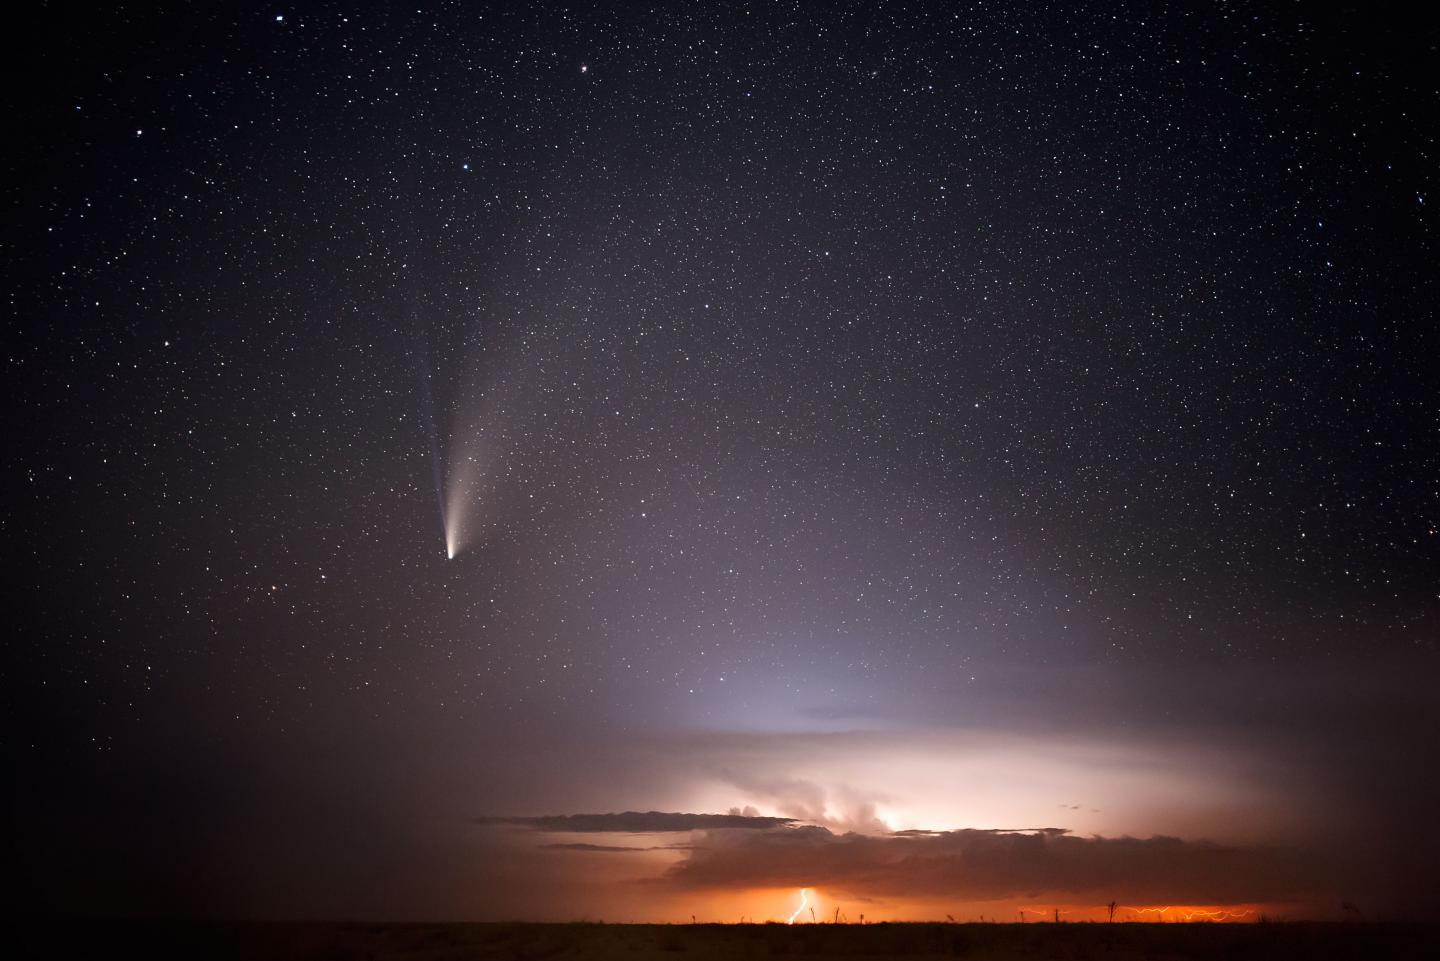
(1189, 913)
(1193, 913)
(791, 906)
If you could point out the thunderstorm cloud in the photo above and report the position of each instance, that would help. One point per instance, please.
(987, 865)
(637, 822)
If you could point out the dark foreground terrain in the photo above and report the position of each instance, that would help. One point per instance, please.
(1002, 942)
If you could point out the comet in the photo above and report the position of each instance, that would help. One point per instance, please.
(458, 467)
(804, 903)
(432, 433)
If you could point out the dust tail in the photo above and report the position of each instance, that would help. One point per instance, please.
(425, 371)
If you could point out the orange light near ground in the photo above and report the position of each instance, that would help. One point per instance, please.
(793, 906)
(1192, 913)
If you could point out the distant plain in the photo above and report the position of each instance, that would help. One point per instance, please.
(637, 942)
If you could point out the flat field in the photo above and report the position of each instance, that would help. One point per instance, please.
(702, 942)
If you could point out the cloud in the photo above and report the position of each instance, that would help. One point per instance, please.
(581, 846)
(639, 822)
(992, 865)
(841, 808)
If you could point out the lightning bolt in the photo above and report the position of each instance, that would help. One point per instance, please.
(1218, 915)
(804, 903)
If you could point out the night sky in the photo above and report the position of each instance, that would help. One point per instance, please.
(894, 428)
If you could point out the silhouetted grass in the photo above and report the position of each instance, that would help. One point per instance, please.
(702, 942)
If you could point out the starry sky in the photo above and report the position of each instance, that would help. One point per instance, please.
(897, 428)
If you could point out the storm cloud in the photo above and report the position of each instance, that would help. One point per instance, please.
(990, 865)
(638, 822)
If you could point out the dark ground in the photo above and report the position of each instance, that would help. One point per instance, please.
(434, 942)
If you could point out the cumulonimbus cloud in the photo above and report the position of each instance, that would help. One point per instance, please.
(638, 822)
(616, 848)
(745, 850)
(992, 865)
